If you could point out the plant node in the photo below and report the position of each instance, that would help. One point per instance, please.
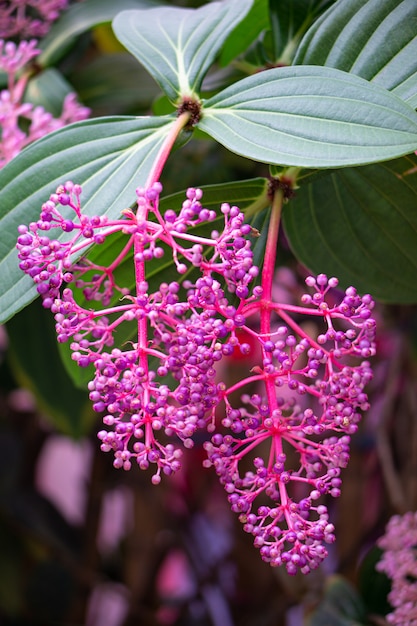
(191, 106)
(284, 183)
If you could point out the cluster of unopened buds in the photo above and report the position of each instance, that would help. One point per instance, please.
(22, 122)
(279, 438)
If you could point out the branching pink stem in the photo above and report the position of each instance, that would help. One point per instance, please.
(266, 310)
(142, 214)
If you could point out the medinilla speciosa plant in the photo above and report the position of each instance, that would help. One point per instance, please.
(154, 295)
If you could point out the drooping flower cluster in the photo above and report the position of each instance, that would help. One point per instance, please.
(188, 325)
(14, 60)
(28, 18)
(156, 351)
(290, 441)
(399, 563)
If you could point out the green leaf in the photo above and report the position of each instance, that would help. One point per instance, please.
(177, 46)
(79, 18)
(310, 117)
(106, 85)
(341, 605)
(109, 157)
(373, 39)
(247, 194)
(243, 193)
(48, 89)
(246, 32)
(289, 20)
(34, 357)
(374, 586)
(360, 224)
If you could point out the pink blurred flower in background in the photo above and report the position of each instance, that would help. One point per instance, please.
(29, 18)
(22, 122)
(399, 563)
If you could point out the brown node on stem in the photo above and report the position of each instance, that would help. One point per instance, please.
(35, 68)
(284, 183)
(189, 105)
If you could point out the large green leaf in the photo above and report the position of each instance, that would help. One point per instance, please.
(109, 157)
(311, 117)
(247, 194)
(373, 39)
(79, 18)
(177, 46)
(360, 224)
(34, 357)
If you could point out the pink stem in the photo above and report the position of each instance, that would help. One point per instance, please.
(266, 311)
(267, 279)
(140, 273)
(163, 154)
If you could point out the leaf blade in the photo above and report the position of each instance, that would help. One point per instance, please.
(246, 32)
(176, 45)
(109, 157)
(359, 224)
(310, 117)
(352, 36)
(289, 21)
(78, 19)
(105, 85)
(341, 605)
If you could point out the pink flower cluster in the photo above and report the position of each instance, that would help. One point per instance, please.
(279, 437)
(13, 109)
(28, 18)
(399, 563)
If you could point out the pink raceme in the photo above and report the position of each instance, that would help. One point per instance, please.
(155, 351)
(179, 326)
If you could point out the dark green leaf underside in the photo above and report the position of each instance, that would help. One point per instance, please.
(48, 89)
